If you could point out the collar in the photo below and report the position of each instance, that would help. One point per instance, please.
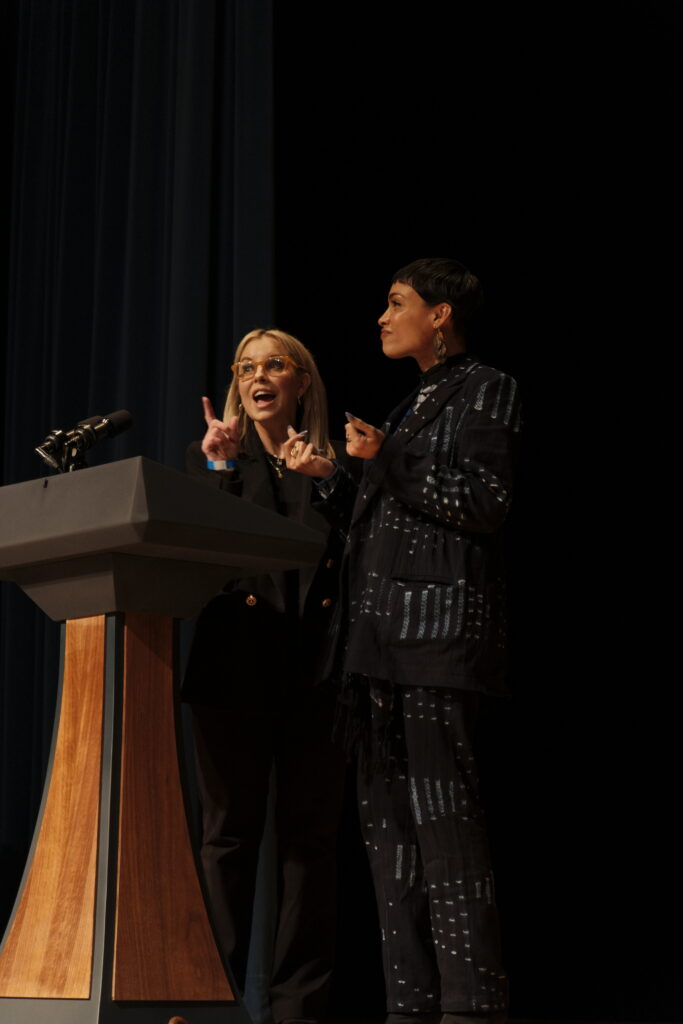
(435, 373)
(253, 447)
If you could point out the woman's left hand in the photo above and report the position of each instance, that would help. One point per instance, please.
(362, 440)
(304, 458)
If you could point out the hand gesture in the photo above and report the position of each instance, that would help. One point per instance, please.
(221, 440)
(362, 440)
(304, 458)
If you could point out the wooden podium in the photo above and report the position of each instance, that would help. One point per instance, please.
(110, 924)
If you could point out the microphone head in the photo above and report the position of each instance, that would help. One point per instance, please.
(117, 422)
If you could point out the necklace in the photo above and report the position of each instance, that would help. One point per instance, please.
(276, 463)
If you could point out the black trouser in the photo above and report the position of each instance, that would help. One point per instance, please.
(426, 839)
(235, 750)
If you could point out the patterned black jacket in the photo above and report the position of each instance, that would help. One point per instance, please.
(423, 567)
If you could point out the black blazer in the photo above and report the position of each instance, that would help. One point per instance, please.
(264, 636)
(425, 594)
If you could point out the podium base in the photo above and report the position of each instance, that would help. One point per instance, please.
(77, 1011)
(110, 925)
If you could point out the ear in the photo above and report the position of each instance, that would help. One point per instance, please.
(443, 315)
(304, 385)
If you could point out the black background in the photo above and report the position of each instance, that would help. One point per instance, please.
(537, 144)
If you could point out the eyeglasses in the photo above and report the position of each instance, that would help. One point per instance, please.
(273, 365)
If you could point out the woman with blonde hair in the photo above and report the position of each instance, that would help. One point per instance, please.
(254, 683)
(312, 405)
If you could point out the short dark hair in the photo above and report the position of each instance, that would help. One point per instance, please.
(449, 281)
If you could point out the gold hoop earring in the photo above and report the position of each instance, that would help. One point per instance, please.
(440, 350)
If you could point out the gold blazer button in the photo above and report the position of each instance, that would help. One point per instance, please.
(329, 563)
(327, 601)
(251, 600)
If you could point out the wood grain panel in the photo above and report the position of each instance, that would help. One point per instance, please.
(164, 946)
(49, 949)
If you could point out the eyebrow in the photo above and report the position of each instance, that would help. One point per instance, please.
(398, 295)
(253, 359)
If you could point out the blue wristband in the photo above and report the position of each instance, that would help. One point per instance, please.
(220, 464)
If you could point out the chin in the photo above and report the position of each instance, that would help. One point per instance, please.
(272, 416)
(389, 353)
(261, 415)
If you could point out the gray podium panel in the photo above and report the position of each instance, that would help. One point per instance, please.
(138, 536)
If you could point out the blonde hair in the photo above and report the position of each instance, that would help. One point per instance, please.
(313, 411)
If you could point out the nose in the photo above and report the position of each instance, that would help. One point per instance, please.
(260, 371)
(384, 317)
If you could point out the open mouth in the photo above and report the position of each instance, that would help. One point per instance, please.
(263, 398)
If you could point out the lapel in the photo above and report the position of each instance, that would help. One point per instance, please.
(428, 410)
(258, 487)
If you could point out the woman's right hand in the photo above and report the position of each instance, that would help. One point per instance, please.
(221, 440)
(304, 458)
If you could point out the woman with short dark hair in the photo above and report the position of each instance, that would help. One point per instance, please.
(424, 638)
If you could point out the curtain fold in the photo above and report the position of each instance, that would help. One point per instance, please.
(140, 251)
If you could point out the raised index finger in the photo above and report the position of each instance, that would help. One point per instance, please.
(209, 414)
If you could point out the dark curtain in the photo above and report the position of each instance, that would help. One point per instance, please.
(140, 244)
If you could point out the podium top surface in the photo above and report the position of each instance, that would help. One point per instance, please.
(140, 507)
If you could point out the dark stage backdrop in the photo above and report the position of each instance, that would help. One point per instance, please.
(140, 249)
(536, 143)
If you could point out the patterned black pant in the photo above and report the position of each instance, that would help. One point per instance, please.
(426, 839)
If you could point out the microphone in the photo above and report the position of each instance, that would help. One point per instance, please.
(63, 450)
(87, 432)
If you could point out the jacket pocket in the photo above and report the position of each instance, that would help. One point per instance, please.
(422, 555)
(425, 612)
